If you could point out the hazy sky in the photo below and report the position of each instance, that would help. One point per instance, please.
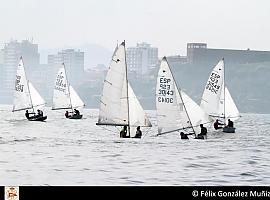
(168, 25)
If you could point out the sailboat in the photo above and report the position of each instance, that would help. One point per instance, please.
(217, 100)
(175, 109)
(64, 96)
(25, 95)
(119, 105)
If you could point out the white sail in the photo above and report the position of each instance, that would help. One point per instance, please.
(61, 97)
(76, 101)
(171, 113)
(22, 99)
(114, 103)
(64, 96)
(137, 116)
(196, 114)
(210, 102)
(37, 100)
(119, 105)
(231, 111)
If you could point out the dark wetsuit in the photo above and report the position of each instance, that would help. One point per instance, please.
(184, 136)
(199, 136)
(138, 134)
(27, 115)
(216, 125)
(203, 131)
(230, 124)
(202, 134)
(123, 134)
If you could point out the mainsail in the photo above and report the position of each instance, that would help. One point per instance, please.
(119, 105)
(211, 98)
(216, 99)
(25, 95)
(64, 96)
(175, 109)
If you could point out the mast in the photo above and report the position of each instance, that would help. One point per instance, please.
(180, 96)
(127, 86)
(224, 89)
(68, 87)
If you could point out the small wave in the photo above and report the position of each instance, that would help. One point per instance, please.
(247, 174)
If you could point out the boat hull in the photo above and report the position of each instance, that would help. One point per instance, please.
(39, 118)
(228, 130)
(75, 117)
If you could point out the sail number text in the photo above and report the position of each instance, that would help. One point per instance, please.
(212, 83)
(165, 92)
(59, 85)
(18, 86)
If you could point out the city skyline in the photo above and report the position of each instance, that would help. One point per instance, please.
(167, 25)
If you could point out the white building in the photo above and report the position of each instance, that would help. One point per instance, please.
(142, 58)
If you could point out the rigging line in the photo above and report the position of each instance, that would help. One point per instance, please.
(109, 129)
(176, 130)
(146, 132)
(179, 92)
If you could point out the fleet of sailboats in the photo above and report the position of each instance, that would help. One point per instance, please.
(64, 96)
(25, 95)
(119, 106)
(216, 100)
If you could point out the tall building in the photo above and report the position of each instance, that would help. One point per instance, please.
(11, 54)
(142, 58)
(74, 63)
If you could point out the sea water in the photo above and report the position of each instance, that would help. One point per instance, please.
(62, 151)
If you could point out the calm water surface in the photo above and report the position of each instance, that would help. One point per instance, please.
(77, 152)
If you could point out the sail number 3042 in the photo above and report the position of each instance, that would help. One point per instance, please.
(165, 92)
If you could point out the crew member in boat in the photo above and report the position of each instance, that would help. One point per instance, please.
(27, 114)
(67, 114)
(138, 133)
(40, 113)
(184, 136)
(203, 133)
(123, 132)
(216, 124)
(230, 123)
(76, 111)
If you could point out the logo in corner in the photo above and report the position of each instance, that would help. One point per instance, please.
(11, 193)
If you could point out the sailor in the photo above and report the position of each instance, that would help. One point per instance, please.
(230, 123)
(123, 132)
(203, 133)
(183, 135)
(138, 133)
(76, 111)
(27, 114)
(40, 113)
(216, 125)
(67, 114)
